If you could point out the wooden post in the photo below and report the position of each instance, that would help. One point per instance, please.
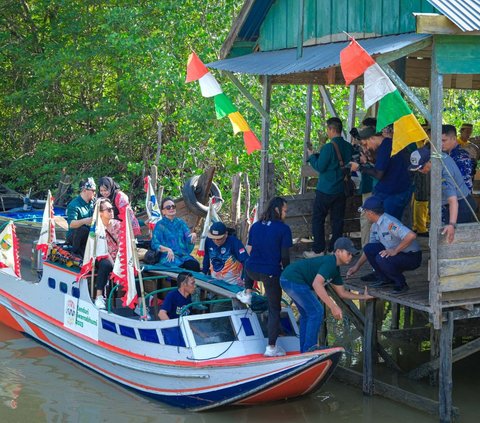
(434, 353)
(445, 371)
(266, 97)
(436, 98)
(307, 138)
(395, 316)
(368, 348)
(236, 189)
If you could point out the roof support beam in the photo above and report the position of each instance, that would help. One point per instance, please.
(404, 88)
(403, 52)
(264, 168)
(246, 93)
(327, 100)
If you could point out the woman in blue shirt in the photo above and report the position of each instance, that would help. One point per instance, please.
(268, 245)
(172, 238)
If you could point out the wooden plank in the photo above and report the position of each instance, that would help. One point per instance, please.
(458, 54)
(469, 296)
(369, 348)
(458, 249)
(458, 266)
(433, 23)
(459, 282)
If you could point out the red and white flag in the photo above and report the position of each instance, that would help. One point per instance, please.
(9, 257)
(126, 266)
(96, 247)
(47, 233)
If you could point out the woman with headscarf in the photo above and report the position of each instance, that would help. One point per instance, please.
(108, 188)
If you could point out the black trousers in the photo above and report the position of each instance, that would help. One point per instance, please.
(273, 291)
(324, 204)
(78, 239)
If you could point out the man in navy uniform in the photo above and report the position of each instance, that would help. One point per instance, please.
(392, 248)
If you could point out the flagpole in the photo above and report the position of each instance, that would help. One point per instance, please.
(92, 277)
(136, 263)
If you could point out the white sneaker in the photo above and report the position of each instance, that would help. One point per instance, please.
(275, 351)
(244, 297)
(312, 254)
(100, 303)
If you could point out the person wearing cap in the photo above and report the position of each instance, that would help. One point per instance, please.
(329, 192)
(225, 255)
(394, 185)
(79, 216)
(304, 282)
(459, 155)
(458, 205)
(392, 249)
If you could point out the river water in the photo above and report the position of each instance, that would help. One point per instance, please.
(38, 385)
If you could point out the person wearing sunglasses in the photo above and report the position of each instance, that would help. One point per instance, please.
(110, 189)
(173, 239)
(79, 216)
(104, 265)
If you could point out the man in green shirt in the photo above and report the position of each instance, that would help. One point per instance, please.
(330, 191)
(304, 282)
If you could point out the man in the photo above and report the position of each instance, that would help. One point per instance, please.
(329, 193)
(460, 156)
(79, 216)
(470, 147)
(394, 185)
(304, 282)
(225, 255)
(392, 248)
(171, 307)
(458, 206)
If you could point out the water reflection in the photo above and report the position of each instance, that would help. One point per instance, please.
(39, 385)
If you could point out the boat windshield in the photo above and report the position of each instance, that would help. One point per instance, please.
(213, 331)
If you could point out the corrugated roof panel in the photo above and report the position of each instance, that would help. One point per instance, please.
(463, 13)
(283, 62)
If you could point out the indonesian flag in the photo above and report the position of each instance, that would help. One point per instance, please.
(392, 108)
(126, 266)
(151, 204)
(96, 247)
(9, 257)
(212, 216)
(47, 233)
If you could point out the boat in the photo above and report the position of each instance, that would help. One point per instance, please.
(221, 362)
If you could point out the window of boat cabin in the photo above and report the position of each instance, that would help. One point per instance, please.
(286, 327)
(213, 331)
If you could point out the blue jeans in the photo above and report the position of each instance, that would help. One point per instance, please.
(310, 309)
(394, 204)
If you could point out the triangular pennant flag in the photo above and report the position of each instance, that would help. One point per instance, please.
(212, 216)
(195, 68)
(251, 142)
(223, 106)
(96, 247)
(151, 204)
(47, 232)
(9, 253)
(126, 267)
(209, 85)
(354, 60)
(239, 124)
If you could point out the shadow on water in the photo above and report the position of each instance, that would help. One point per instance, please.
(39, 385)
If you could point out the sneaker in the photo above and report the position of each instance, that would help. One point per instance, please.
(380, 284)
(275, 351)
(312, 254)
(100, 303)
(244, 297)
(369, 277)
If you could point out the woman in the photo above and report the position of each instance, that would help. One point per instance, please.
(268, 245)
(108, 188)
(105, 265)
(172, 238)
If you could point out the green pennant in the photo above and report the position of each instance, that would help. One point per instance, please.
(223, 106)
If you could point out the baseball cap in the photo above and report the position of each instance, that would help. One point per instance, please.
(345, 243)
(372, 203)
(217, 230)
(367, 132)
(419, 158)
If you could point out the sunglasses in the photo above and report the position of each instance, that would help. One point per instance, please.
(172, 207)
(109, 209)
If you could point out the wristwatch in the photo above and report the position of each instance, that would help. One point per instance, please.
(453, 224)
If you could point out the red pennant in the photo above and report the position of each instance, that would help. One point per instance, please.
(251, 142)
(195, 68)
(354, 61)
